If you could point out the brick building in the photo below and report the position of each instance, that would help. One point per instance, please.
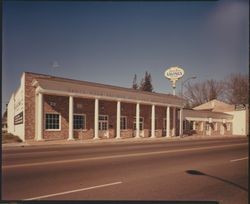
(47, 107)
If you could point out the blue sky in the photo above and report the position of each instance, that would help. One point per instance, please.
(109, 42)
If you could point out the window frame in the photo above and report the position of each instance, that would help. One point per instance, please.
(103, 121)
(85, 119)
(45, 122)
(140, 123)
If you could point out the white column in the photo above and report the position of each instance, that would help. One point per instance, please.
(168, 122)
(71, 118)
(174, 121)
(181, 119)
(118, 120)
(153, 121)
(40, 117)
(137, 120)
(96, 128)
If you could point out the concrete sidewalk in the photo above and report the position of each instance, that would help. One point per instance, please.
(114, 140)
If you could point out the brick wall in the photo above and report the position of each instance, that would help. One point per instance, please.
(108, 108)
(29, 107)
(85, 106)
(160, 114)
(128, 110)
(145, 112)
(61, 107)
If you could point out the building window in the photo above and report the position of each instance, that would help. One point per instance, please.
(141, 123)
(79, 122)
(52, 121)
(103, 122)
(123, 123)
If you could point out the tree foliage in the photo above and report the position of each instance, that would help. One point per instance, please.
(135, 85)
(234, 90)
(237, 89)
(202, 92)
(145, 83)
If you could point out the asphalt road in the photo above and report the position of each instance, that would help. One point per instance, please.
(197, 170)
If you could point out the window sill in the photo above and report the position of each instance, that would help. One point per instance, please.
(52, 130)
(80, 130)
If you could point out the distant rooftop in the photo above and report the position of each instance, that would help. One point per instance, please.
(215, 106)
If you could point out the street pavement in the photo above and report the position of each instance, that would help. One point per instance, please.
(177, 170)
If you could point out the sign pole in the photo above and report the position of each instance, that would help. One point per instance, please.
(173, 86)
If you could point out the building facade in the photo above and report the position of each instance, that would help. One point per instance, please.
(234, 118)
(204, 122)
(47, 108)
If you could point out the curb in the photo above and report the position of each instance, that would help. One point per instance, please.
(113, 140)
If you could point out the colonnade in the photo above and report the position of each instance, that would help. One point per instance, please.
(118, 116)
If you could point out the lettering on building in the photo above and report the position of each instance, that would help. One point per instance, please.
(18, 119)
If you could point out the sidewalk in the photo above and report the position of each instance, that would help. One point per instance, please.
(114, 140)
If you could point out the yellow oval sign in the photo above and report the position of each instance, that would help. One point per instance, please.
(174, 73)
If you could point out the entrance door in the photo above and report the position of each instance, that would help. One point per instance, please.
(141, 126)
(103, 126)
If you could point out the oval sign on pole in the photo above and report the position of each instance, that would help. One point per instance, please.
(174, 73)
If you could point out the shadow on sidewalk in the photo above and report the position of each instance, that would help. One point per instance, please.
(198, 173)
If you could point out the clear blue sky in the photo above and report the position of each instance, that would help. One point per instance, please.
(109, 42)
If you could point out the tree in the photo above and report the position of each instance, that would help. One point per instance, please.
(202, 92)
(237, 89)
(135, 85)
(148, 82)
(145, 83)
(142, 84)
